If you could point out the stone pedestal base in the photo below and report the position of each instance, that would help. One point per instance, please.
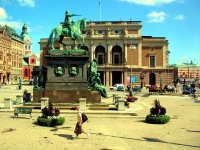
(19, 99)
(44, 102)
(8, 103)
(121, 105)
(82, 104)
(67, 96)
(37, 95)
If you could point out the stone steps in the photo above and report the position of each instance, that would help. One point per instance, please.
(70, 106)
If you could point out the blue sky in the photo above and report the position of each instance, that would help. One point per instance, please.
(177, 20)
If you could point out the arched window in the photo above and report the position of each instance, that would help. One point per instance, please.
(26, 72)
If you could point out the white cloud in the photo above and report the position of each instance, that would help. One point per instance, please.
(30, 3)
(17, 25)
(3, 14)
(185, 57)
(37, 28)
(156, 16)
(179, 17)
(12, 24)
(151, 2)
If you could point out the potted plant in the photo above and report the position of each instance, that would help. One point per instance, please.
(50, 117)
(157, 114)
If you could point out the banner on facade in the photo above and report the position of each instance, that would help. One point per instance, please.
(128, 79)
(133, 79)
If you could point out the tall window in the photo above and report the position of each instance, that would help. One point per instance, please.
(1, 55)
(26, 72)
(116, 59)
(100, 59)
(152, 61)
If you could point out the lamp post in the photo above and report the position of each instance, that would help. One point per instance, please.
(167, 58)
(141, 78)
(4, 70)
(188, 68)
(132, 47)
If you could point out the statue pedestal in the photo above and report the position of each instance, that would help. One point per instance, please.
(66, 72)
(72, 96)
(66, 80)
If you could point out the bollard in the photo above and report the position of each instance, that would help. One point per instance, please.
(121, 104)
(8, 103)
(19, 99)
(114, 96)
(44, 102)
(82, 103)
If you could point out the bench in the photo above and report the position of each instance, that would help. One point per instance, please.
(22, 110)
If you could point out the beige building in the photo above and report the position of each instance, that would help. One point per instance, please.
(122, 52)
(16, 57)
(10, 54)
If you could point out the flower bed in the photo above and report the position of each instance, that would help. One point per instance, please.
(157, 119)
(50, 117)
(50, 121)
(157, 114)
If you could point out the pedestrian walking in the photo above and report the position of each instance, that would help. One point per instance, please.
(78, 129)
(20, 83)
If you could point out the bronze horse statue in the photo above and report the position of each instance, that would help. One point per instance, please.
(61, 32)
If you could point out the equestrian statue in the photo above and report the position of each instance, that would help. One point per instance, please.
(68, 29)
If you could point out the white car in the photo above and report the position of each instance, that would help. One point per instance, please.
(114, 87)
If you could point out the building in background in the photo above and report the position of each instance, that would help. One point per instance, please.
(11, 54)
(190, 72)
(123, 54)
(29, 58)
(14, 52)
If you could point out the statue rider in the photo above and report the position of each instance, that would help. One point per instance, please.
(68, 22)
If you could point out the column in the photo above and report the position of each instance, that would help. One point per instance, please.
(82, 104)
(8, 103)
(44, 102)
(139, 55)
(125, 53)
(107, 79)
(104, 78)
(91, 52)
(111, 57)
(108, 54)
(110, 77)
(125, 75)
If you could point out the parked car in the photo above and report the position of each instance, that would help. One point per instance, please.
(114, 87)
(120, 88)
(188, 90)
(137, 89)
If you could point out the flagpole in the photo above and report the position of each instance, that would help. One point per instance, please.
(100, 9)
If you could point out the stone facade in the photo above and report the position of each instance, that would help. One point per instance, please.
(10, 55)
(16, 57)
(122, 51)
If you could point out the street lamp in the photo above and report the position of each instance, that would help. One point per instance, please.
(132, 47)
(167, 58)
(141, 78)
(188, 67)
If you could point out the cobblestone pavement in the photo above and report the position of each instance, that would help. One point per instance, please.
(111, 132)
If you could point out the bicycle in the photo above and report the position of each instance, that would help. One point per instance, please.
(194, 96)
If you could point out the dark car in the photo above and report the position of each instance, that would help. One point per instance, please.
(120, 88)
(137, 89)
(188, 90)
